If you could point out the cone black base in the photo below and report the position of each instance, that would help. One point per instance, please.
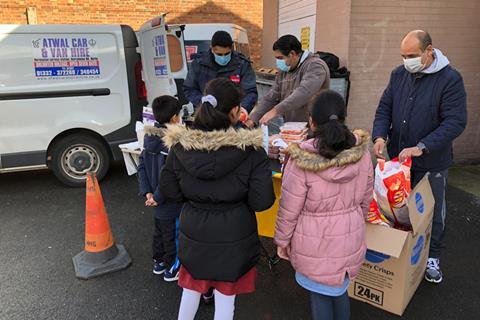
(89, 265)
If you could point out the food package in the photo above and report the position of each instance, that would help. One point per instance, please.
(273, 150)
(294, 132)
(140, 130)
(375, 216)
(243, 116)
(265, 137)
(148, 118)
(392, 188)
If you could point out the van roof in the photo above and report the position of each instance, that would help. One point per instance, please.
(59, 28)
(205, 31)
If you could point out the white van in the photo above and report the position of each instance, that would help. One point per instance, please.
(70, 94)
(198, 37)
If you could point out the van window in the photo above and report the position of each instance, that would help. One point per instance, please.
(175, 53)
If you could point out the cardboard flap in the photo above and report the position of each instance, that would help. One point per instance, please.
(385, 240)
(421, 204)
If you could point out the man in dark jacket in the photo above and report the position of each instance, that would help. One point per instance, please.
(221, 61)
(422, 110)
(152, 160)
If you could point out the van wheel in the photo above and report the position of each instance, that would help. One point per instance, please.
(75, 155)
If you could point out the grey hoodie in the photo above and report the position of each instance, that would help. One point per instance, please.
(440, 62)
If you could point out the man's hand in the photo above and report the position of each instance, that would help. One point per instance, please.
(284, 253)
(249, 123)
(409, 153)
(379, 147)
(269, 116)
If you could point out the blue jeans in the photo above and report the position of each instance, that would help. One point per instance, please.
(330, 308)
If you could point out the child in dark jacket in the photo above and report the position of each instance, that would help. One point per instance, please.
(223, 175)
(166, 109)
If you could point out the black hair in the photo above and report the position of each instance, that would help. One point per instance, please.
(164, 108)
(228, 96)
(222, 39)
(286, 44)
(328, 113)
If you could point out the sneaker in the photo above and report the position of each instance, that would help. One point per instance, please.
(433, 272)
(159, 267)
(207, 298)
(171, 274)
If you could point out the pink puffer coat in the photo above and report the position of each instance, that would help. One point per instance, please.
(323, 208)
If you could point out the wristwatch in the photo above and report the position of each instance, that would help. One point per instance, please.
(422, 147)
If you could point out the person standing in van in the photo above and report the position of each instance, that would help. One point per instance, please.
(301, 75)
(327, 187)
(221, 61)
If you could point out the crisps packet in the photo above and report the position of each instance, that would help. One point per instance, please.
(392, 188)
(375, 216)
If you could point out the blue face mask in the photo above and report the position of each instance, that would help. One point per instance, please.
(223, 60)
(282, 65)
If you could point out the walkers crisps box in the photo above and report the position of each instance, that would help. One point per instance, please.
(395, 261)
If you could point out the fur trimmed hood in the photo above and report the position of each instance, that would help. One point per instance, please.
(192, 139)
(154, 131)
(212, 154)
(307, 158)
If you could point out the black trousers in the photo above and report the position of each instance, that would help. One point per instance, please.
(438, 182)
(165, 240)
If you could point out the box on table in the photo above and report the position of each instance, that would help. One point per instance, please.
(395, 261)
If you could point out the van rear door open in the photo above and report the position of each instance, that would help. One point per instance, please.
(163, 57)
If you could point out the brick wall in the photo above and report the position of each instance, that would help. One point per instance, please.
(246, 13)
(376, 29)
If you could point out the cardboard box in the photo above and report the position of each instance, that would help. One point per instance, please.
(395, 261)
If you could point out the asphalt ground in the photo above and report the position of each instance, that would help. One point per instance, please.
(42, 228)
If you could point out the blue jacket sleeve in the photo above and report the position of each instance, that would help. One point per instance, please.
(383, 115)
(453, 116)
(249, 86)
(191, 87)
(143, 181)
(157, 195)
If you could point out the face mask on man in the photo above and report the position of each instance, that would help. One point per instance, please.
(223, 60)
(414, 65)
(282, 65)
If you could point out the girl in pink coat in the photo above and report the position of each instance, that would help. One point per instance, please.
(326, 191)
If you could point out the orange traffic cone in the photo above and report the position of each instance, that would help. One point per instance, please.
(101, 254)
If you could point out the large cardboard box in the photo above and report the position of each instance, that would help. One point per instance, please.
(395, 261)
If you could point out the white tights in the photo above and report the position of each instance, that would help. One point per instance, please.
(224, 305)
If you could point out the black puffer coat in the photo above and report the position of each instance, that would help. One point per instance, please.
(223, 177)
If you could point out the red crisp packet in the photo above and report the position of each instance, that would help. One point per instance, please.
(375, 216)
(392, 188)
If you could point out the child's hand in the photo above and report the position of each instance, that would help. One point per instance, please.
(284, 253)
(150, 201)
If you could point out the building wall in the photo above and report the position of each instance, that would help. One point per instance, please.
(376, 29)
(333, 27)
(246, 13)
(270, 32)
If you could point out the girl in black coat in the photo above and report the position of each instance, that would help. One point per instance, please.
(223, 175)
